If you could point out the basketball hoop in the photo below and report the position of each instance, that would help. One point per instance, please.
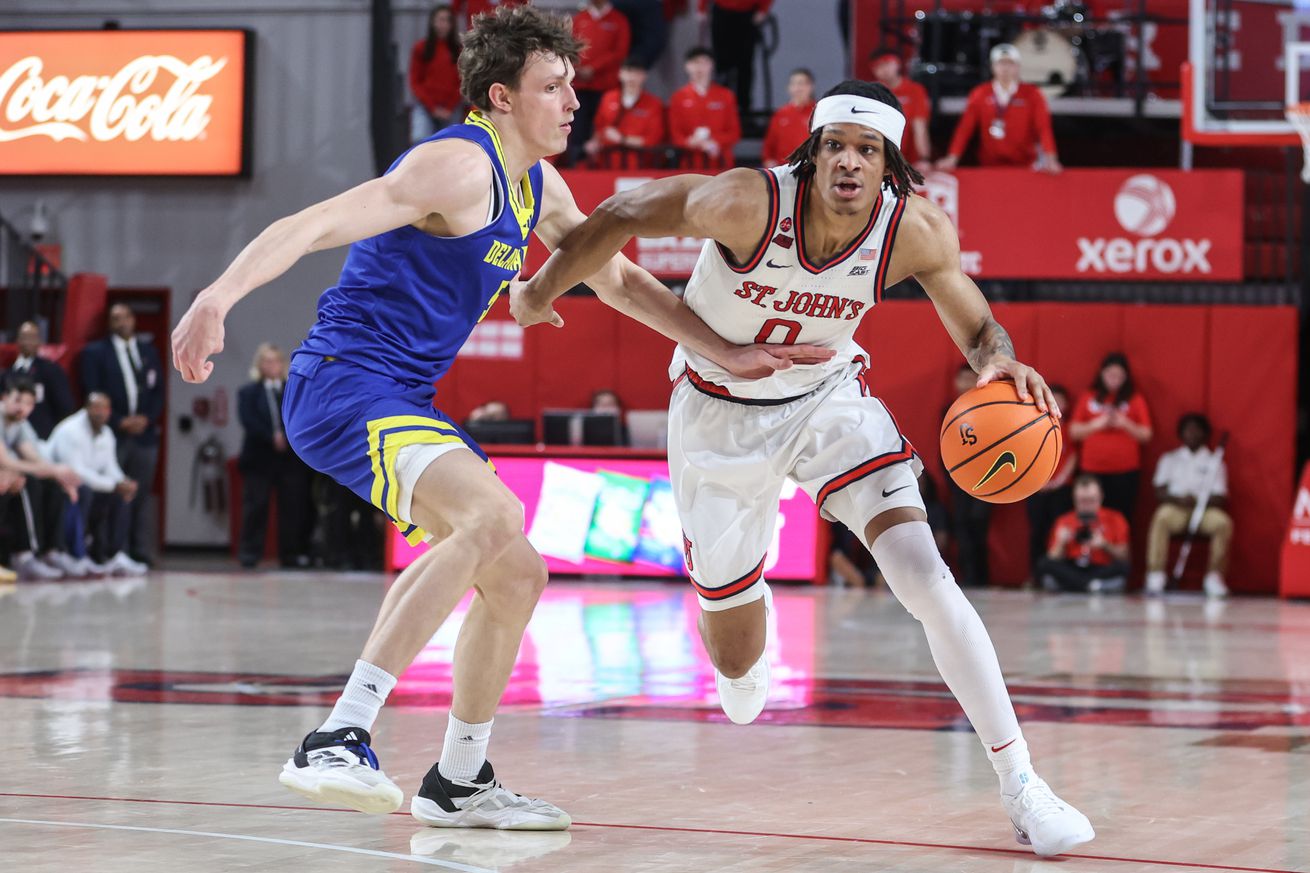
(1298, 115)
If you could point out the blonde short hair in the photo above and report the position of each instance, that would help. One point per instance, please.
(263, 349)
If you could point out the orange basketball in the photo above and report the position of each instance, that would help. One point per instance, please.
(997, 447)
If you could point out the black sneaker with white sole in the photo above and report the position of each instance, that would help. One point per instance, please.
(482, 802)
(339, 767)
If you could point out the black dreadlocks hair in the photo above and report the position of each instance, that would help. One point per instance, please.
(903, 177)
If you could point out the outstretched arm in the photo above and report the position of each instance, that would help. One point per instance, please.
(631, 290)
(686, 205)
(931, 253)
(447, 178)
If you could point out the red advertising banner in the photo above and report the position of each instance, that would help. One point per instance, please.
(1164, 225)
(1294, 579)
(124, 102)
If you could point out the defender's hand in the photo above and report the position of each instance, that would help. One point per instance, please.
(1027, 381)
(764, 359)
(198, 335)
(525, 312)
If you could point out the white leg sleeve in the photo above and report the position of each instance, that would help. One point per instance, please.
(917, 575)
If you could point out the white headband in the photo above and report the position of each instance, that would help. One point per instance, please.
(854, 109)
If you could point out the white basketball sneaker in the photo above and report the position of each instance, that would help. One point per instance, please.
(1155, 583)
(340, 768)
(482, 802)
(1044, 821)
(743, 698)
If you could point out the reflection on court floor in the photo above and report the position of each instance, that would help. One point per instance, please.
(146, 722)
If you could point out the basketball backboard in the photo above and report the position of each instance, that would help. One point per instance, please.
(1247, 60)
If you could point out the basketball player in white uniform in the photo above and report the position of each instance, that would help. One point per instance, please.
(799, 254)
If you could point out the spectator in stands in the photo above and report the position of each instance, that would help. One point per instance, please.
(1013, 119)
(1055, 497)
(971, 518)
(127, 369)
(734, 33)
(1111, 423)
(268, 465)
(85, 443)
(650, 29)
(607, 402)
(434, 76)
(629, 123)
(703, 121)
(11, 486)
(606, 39)
(54, 399)
(790, 125)
(1089, 546)
(888, 69)
(1183, 477)
(38, 514)
(351, 531)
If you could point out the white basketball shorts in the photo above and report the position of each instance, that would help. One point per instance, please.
(728, 461)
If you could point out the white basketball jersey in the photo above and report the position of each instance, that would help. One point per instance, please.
(782, 296)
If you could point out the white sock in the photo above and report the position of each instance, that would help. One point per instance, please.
(1011, 761)
(908, 558)
(364, 695)
(465, 749)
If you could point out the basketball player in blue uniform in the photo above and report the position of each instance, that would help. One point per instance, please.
(434, 242)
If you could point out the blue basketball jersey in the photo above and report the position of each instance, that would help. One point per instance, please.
(407, 301)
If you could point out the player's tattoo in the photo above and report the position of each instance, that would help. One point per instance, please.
(990, 341)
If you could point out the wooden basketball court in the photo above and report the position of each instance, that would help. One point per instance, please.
(146, 722)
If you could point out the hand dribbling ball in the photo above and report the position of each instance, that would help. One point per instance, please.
(997, 447)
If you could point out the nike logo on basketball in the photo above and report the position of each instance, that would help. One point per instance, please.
(1004, 459)
(886, 493)
(1002, 748)
(770, 263)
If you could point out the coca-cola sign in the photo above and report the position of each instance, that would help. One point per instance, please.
(155, 102)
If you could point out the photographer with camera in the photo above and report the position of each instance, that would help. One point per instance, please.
(1089, 546)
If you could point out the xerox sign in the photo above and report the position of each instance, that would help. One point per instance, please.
(1145, 206)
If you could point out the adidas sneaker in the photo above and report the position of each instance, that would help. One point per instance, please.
(340, 768)
(482, 803)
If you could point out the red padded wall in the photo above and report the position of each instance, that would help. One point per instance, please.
(1252, 393)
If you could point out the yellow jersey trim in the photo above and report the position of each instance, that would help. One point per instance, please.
(524, 204)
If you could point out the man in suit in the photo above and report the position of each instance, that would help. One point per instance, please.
(267, 464)
(54, 399)
(128, 369)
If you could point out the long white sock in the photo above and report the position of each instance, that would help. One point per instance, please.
(908, 558)
(364, 695)
(465, 748)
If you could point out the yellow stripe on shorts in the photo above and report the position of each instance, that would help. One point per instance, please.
(386, 437)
